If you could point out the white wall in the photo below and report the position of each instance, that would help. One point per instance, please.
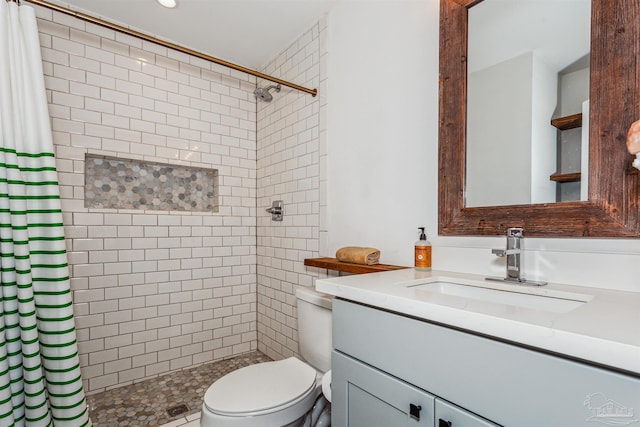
(511, 145)
(574, 89)
(382, 120)
(382, 155)
(499, 133)
(543, 134)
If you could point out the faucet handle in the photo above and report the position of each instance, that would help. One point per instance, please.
(503, 252)
(499, 252)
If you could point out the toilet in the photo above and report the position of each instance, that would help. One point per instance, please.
(282, 393)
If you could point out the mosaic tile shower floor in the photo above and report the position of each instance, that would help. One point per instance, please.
(146, 403)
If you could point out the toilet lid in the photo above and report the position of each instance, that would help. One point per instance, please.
(260, 387)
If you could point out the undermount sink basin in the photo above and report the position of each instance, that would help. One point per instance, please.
(562, 302)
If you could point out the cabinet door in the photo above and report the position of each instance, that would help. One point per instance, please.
(365, 397)
(448, 415)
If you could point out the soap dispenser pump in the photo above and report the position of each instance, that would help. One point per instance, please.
(422, 253)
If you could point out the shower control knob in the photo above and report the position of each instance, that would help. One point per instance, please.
(276, 210)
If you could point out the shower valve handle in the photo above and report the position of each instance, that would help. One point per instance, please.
(276, 210)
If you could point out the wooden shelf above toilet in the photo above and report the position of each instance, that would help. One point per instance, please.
(346, 267)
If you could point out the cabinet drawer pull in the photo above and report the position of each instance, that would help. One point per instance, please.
(443, 423)
(414, 411)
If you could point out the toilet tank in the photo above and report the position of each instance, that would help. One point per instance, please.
(314, 327)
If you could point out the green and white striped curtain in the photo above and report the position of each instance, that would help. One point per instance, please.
(40, 382)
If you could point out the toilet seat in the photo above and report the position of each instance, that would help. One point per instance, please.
(261, 389)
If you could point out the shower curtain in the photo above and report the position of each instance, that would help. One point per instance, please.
(40, 382)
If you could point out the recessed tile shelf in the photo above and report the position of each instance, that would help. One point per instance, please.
(117, 183)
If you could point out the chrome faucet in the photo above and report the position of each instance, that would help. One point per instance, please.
(513, 254)
(515, 259)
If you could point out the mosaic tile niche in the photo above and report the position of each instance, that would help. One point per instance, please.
(117, 183)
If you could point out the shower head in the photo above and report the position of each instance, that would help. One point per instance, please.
(263, 94)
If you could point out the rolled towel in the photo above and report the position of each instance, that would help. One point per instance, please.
(358, 255)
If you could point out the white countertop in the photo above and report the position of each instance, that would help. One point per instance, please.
(604, 330)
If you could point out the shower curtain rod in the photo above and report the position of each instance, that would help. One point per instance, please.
(152, 39)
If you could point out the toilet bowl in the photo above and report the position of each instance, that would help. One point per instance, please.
(276, 393)
(280, 393)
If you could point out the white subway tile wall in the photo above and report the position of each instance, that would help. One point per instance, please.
(289, 131)
(157, 291)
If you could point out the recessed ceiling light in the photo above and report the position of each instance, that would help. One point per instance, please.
(168, 3)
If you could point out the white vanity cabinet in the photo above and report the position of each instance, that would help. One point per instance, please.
(448, 415)
(393, 370)
(367, 397)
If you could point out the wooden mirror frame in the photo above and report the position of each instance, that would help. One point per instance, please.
(614, 186)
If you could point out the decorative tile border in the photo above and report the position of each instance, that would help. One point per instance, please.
(111, 182)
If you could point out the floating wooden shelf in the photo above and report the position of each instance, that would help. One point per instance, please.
(334, 264)
(568, 122)
(565, 177)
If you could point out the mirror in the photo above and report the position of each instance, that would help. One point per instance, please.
(516, 85)
(612, 208)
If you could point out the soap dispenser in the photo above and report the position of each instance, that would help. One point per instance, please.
(422, 255)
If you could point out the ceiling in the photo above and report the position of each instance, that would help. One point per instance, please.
(558, 32)
(246, 32)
